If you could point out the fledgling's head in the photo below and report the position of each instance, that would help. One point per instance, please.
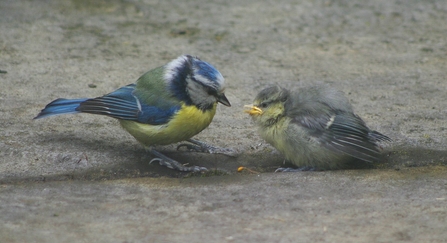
(195, 82)
(268, 106)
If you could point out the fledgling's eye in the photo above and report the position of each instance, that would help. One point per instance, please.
(263, 104)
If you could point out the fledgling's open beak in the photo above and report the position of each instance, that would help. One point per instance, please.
(221, 98)
(252, 110)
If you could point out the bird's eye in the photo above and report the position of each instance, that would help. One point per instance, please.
(264, 104)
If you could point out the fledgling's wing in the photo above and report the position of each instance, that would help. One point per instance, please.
(339, 131)
(125, 104)
(327, 116)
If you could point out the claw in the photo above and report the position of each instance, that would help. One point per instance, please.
(191, 147)
(206, 148)
(155, 159)
(172, 164)
(305, 168)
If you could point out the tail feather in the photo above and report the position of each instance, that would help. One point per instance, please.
(59, 107)
(378, 137)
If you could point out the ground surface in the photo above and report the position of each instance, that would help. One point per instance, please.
(83, 179)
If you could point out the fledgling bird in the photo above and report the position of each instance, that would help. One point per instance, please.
(168, 104)
(315, 128)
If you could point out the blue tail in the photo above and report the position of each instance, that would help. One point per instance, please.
(60, 106)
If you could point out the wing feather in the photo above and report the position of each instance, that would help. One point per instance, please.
(125, 105)
(342, 132)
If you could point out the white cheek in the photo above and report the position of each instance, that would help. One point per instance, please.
(172, 68)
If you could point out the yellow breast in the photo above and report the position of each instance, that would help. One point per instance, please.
(186, 123)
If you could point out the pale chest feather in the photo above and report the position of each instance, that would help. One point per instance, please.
(299, 148)
(185, 124)
(275, 134)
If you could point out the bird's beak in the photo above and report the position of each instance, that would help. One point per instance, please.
(252, 110)
(221, 98)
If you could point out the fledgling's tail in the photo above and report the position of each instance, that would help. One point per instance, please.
(59, 107)
(378, 137)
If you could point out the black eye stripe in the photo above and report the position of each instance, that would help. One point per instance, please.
(211, 91)
(208, 89)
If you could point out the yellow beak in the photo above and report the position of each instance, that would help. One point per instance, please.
(252, 110)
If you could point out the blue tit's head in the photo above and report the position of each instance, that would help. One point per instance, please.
(195, 82)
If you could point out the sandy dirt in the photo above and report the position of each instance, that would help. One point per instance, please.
(81, 178)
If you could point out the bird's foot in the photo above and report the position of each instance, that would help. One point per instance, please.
(304, 168)
(175, 165)
(198, 146)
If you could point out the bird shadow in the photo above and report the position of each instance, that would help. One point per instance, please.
(115, 159)
(127, 159)
(400, 157)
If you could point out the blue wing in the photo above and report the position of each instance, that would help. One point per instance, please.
(121, 104)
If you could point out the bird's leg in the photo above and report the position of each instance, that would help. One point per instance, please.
(172, 164)
(299, 169)
(206, 148)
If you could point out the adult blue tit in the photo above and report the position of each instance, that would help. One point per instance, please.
(168, 104)
(315, 128)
